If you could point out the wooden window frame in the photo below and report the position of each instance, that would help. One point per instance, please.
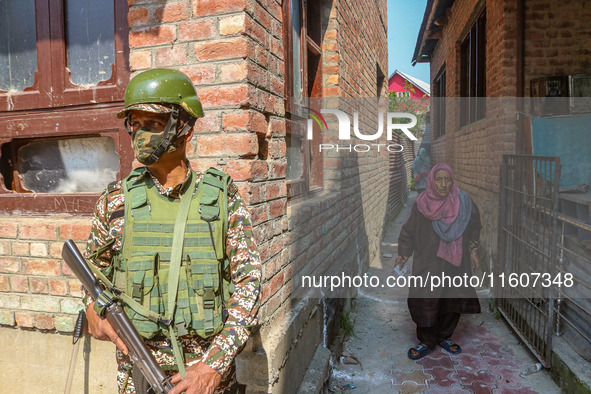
(54, 108)
(52, 86)
(312, 178)
(473, 72)
(439, 109)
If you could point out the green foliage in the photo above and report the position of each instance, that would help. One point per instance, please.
(348, 324)
(415, 106)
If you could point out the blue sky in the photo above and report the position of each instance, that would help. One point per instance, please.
(404, 22)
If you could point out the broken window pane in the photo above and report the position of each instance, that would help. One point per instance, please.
(295, 158)
(90, 39)
(18, 44)
(68, 166)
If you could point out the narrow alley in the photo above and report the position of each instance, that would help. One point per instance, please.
(374, 355)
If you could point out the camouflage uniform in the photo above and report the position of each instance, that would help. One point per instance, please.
(218, 351)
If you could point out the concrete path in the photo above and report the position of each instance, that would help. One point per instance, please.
(490, 362)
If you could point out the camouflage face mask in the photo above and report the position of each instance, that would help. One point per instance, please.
(146, 141)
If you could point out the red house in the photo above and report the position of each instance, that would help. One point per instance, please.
(399, 82)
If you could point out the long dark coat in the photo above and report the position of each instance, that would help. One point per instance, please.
(419, 238)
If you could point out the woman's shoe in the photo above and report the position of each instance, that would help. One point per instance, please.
(421, 351)
(448, 344)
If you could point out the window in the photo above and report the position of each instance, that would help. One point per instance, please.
(303, 37)
(473, 72)
(439, 93)
(403, 94)
(66, 70)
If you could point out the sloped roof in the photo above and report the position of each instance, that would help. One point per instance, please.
(424, 86)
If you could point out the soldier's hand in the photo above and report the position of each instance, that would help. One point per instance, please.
(101, 329)
(199, 379)
(401, 260)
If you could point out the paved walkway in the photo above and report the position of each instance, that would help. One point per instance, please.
(490, 362)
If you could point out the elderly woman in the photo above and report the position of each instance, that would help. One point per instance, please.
(442, 232)
(420, 168)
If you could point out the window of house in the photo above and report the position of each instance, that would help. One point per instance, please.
(439, 93)
(64, 80)
(473, 72)
(303, 36)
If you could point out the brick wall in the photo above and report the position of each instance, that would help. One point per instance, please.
(38, 290)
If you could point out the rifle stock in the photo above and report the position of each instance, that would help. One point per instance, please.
(138, 352)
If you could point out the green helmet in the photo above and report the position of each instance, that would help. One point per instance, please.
(161, 86)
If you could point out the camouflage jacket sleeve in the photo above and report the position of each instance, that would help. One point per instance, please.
(100, 232)
(245, 266)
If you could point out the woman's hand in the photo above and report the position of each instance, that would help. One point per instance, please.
(474, 259)
(401, 260)
(200, 379)
(101, 329)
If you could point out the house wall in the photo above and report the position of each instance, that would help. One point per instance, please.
(397, 84)
(233, 51)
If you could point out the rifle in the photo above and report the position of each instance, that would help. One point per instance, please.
(138, 352)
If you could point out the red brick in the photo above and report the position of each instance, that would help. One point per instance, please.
(43, 322)
(259, 215)
(220, 96)
(231, 25)
(277, 127)
(66, 271)
(152, 36)
(209, 123)
(262, 16)
(214, 7)
(55, 249)
(245, 121)
(273, 191)
(276, 208)
(228, 145)
(171, 12)
(18, 283)
(140, 59)
(37, 231)
(245, 170)
(196, 30)
(38, 285)
(23, 319)
(4, 283)
(41, 267)
(276, 283)
(20, 248)
(166, 57)
(5, 248)
(10, 265)
(234, 72)
(221, 50)
(75, 231)
(8, 230)
(137, 17)
(75, 287)
(200, 73)
(58, 287)
(250, 192)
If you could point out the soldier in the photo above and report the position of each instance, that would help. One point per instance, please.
(179, 242)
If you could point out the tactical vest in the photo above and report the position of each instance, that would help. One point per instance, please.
(143, 266)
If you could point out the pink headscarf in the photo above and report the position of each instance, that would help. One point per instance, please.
(444, 211)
